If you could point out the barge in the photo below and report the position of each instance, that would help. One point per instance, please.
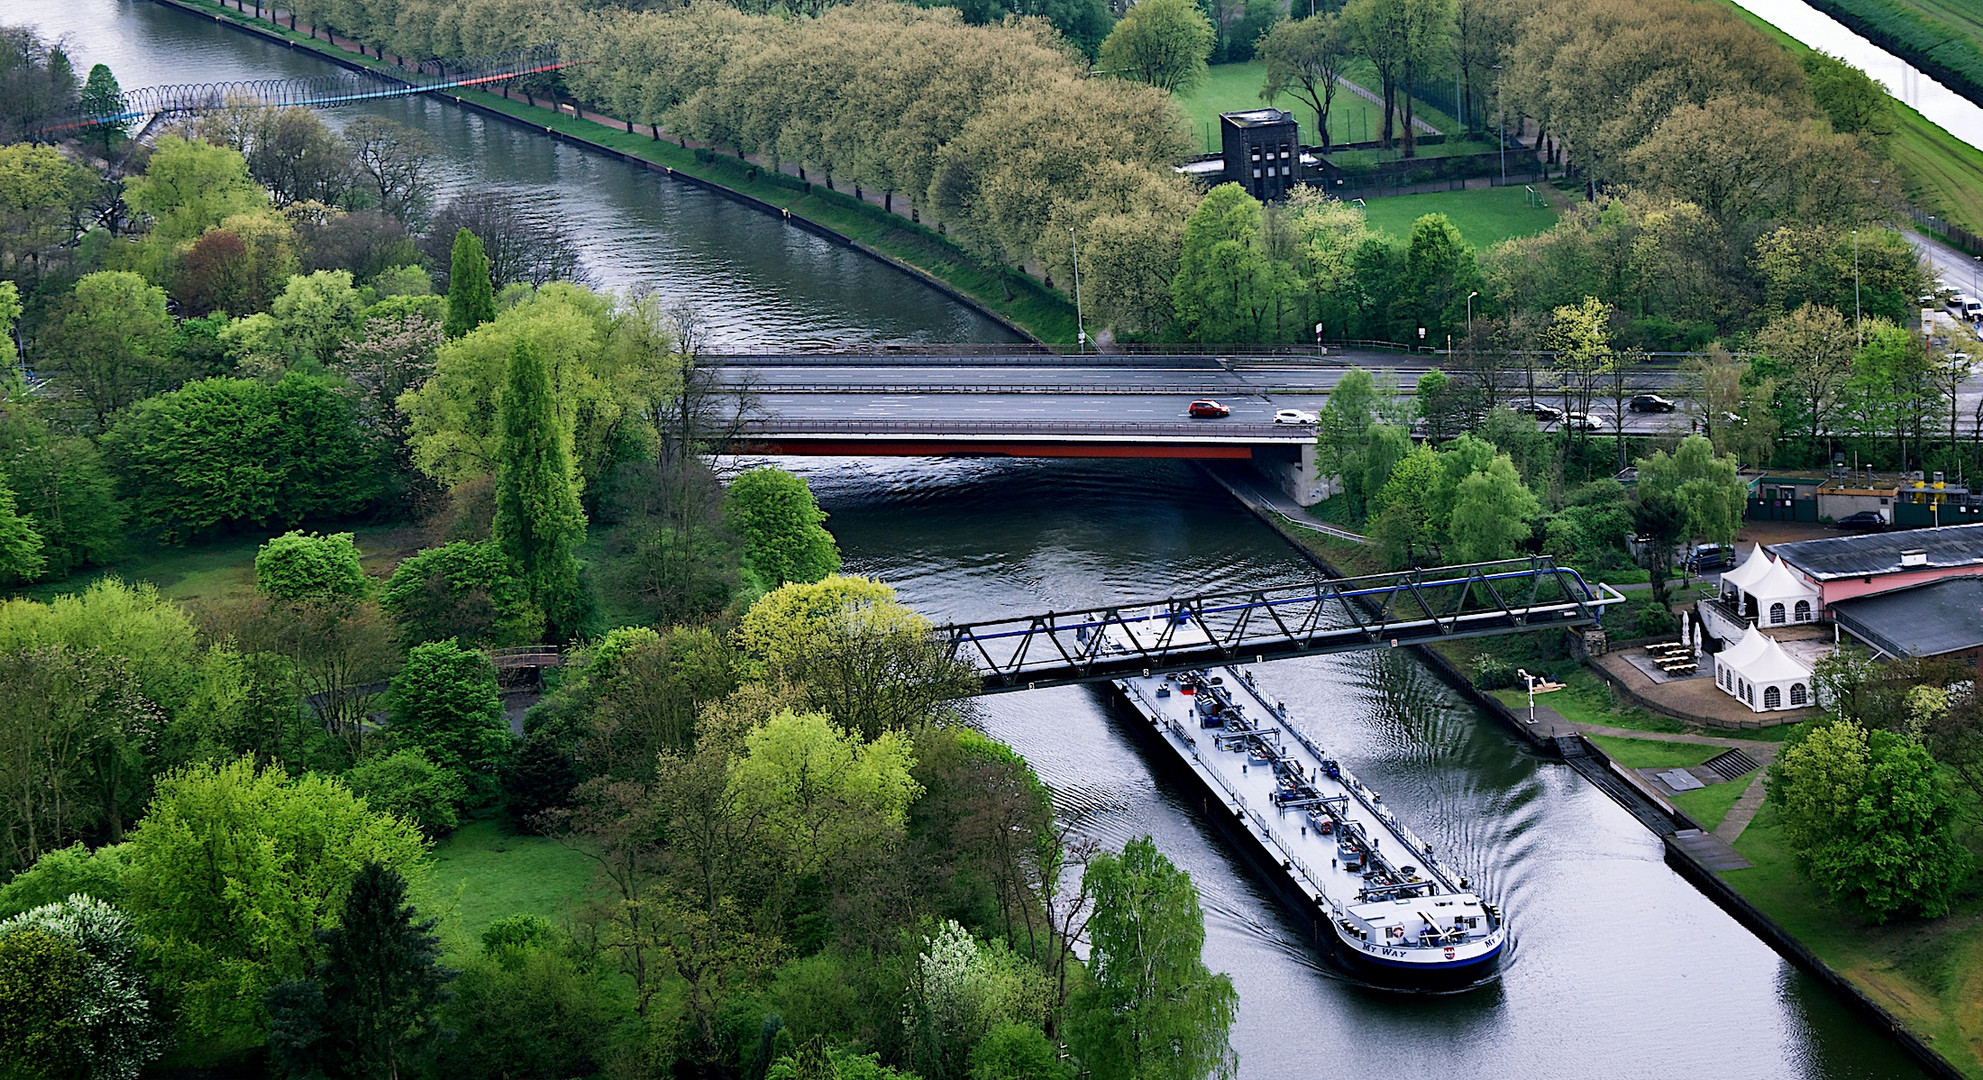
(1368, 889)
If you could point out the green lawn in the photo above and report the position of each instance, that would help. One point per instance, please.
(1236, 88)
(1929, 973)
(1710, 804)
(1484, 216)
(482, 873)
(225, 569)
(1653, 754)
(1585, 699)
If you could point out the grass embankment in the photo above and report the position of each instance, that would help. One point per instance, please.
(482, 873)
(1928, 973)
(1485, 216)
(1939, 170)
(1941, 37)
(1039, 311)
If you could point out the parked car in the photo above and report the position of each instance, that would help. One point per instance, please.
(1577, 421)
(1548, 414)
(1294, 416)
(1710, 557)
(1863, 521)
(1650, 403)
(1207, 409)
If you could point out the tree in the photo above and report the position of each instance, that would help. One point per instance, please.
(520, 247)
(1810, 351)
(1224, 286)
(317, 315)
(444, 702)
(854, 653)
(1342, 426)
(1438, 274)
(779, 520)
(102, 97)
(1491, 513)
(466, 591)
(392, 166)
(1871, 818)
(409, 786)
(298, 159)
(112, 342)
(1154, 1012)
(538, 522)
(960, 994)
(1160, 42)
(222, 453)
(74, 733)
(1401, 512)
(369, 1011)
(1706, 489)
(21, 546)
(95, 1001)
(471, 293)
(311, 568)
(530, 1007)
(1306, 57)
(821, 791)
(233, 870)
(190, 187)
(1580, 336)
(43, 197)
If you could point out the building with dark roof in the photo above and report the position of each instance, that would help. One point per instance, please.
(1262, 151)
(1941, 618)
(1844, 567)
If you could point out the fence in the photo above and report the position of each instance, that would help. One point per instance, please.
(1954, 234)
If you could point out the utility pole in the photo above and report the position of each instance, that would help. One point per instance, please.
(1080, 322)
(1856, 332)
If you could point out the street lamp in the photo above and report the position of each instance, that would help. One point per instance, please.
(1528, 680)
(1855, 288)
(1421, 337)
(1319, 350)
(1470, 297)
(1080, 323)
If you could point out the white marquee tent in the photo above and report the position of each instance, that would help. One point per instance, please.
(1766, 592)
(1758, 673)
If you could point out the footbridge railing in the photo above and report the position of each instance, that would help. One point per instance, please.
(1249, 626)
(319, 91)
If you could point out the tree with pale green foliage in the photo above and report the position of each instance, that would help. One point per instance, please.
(21, 557)
(311, 568)
(1491, 513)
(821, 791)
(1709, 491)
(318, 315)
(1225, 283)
(1154, 1011)
(190, 186)
(471, 292)
(1871, 817)
(444, 702)
(102, 1018)
(962, 991)
(1161, 42)
(110, 342)
(235, 869)
(1400, 513)
(538, 523)
(780, 523)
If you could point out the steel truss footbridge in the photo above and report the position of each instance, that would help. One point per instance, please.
(1417, 607)
(145, 105)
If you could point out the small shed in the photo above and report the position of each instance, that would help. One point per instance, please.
(1758, 673)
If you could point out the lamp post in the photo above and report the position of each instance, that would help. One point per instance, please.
(1421, 337)
(1319, 350)
(1855, 288)
(1528, 681)
(1080, 322)
(1501, 122)
(1470, 297)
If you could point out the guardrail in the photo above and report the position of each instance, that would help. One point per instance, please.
(938, 427)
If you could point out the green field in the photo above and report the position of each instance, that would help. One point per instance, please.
(1943, 37)
(1236, 87)
(1653, 754)
(225, 569)
(482, 873)
(1710, 804)
(1484, 216)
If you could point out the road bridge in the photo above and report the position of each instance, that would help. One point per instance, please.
(1378, 611)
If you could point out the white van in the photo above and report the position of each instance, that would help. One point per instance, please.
(1956, 303)
(1972, 309)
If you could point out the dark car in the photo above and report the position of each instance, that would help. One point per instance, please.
(1710, 557)
(1208, 409)
(1863, 521)
(1548, 414)
(1650, 403)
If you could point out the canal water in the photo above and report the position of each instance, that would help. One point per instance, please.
(758, 281)
(1621, 970)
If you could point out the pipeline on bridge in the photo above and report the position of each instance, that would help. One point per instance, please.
(320, 91)
(1328, 616)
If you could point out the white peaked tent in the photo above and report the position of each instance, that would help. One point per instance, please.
(1758, 673)
(1767, 593)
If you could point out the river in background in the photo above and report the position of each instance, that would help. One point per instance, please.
(1943, 107)
(1621, 970)
(758, 281)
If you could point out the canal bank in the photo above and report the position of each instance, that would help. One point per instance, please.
(1014, 301)
(1693, 852)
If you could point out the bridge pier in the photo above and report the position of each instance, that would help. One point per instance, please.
(1295, 472)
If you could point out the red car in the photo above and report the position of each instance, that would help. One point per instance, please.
(1208, 409)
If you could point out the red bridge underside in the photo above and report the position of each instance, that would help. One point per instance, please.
(862, 448)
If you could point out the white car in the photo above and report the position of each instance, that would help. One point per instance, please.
(1577, 421)
(1294, 416)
